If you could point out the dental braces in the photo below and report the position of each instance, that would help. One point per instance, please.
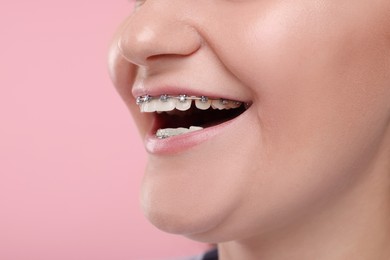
(181, 98)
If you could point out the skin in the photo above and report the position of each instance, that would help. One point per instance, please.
(310, 180)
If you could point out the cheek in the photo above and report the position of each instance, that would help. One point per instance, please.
(310, 77)
(322, 112)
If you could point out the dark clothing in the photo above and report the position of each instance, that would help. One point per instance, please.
(211, 255)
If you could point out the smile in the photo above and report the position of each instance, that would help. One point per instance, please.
(182, 114)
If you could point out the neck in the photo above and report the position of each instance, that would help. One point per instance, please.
(356, 226)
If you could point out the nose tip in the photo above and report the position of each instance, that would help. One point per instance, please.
(150, 33)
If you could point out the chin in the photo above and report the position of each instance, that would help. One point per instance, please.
(205, 227)
(180, 223)
(178, 198)
(177, 214)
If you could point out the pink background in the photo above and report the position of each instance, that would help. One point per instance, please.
(70, 160)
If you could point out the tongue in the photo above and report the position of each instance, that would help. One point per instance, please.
(168, 132)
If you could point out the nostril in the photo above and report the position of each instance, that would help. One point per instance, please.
(160, 56)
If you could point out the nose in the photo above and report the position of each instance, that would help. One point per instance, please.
(158, 28)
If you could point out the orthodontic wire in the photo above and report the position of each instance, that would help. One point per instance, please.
(182, 98)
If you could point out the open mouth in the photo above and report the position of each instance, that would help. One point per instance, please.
(176, 115)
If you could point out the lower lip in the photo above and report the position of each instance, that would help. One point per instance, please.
(183, 142)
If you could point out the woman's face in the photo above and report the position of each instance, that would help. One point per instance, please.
(316, 74)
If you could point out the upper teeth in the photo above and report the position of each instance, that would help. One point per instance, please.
(182, 102)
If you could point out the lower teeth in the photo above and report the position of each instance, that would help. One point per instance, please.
(168, 132)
